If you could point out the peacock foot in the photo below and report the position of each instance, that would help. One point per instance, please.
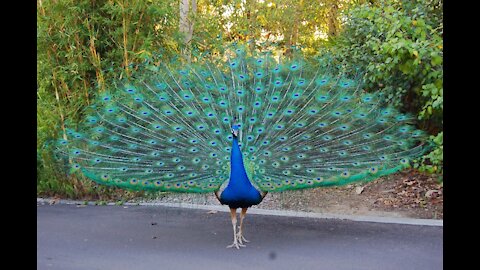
(236, 245)
(241, 239)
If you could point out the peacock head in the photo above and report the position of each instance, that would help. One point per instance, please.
(235, 130)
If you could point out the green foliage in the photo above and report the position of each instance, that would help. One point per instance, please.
(433, 162)
(282, 23)
(84, 46)
(400, 46)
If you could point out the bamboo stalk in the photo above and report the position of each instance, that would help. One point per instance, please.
(96, 61)
(42, 10)
(85, 87)
(57, 97)
(137, 30)
(80, 60)
(125, 39)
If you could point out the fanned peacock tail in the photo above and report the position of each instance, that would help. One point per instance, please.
(169, 127)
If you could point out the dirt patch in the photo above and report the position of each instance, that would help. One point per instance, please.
(406, 194)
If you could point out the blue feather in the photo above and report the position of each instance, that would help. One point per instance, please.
(239, 193)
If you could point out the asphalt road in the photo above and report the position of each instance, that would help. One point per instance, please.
(154, 237)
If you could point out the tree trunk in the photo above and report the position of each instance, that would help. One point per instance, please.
(184, 7)
(191, 20)
(251, 20)
(332, 20)
(293, 31)
(186, 23)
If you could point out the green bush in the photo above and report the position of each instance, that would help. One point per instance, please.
(399, 46)
(433, 162)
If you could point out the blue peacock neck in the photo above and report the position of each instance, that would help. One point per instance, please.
(238, 174)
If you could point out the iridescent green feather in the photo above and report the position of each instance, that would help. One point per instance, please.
(168, 127)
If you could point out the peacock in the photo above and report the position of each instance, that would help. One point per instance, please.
(239, 125)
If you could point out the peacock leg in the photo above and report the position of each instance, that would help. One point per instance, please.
(242, 239)
(233, 215)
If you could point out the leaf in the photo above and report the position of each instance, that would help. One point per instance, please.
(436, 60)
(406, 67)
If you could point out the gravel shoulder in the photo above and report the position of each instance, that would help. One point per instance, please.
(408, 194)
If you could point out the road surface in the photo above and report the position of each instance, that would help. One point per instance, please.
(155, 237)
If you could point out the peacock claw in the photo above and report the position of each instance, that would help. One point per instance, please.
(236, 244)
(241, 239)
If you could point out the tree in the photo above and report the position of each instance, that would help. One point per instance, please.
(188, 9)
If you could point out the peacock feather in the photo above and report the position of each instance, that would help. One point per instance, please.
(169, 127)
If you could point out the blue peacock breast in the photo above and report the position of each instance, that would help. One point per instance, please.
(240, 196)
(239, 191)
